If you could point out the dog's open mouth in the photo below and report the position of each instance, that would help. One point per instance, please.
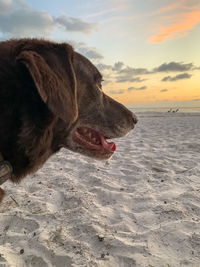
(93, 140)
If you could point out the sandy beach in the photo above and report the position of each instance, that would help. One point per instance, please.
(141, 208)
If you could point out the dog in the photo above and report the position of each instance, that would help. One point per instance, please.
(51, 97)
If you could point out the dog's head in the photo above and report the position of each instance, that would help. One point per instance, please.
(70, 85)
(99, 117)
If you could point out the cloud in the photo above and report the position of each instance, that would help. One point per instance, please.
(127, 74)
(181, 5)
(105, 82)
(75, 25)
(177, 77)
(102, 67)
(163, 90)
(18, 19)
(120, 73)
(126, 78)
(174, 66)
(90, 53)
(133, 71)
(167, 8)
(116, 92)
(5, 6)
(187, 21)
(104, 12)
(196, 99)
(107, 73)
(26, 21)
(137, 88)
(118, 66)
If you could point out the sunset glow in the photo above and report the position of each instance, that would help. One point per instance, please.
(148, 52)
(188, 22)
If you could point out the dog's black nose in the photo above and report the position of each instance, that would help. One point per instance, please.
(135, 119)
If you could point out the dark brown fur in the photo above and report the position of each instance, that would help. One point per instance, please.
(46, 91)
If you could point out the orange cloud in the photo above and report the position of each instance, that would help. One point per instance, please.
(168, 8)
(188, 22)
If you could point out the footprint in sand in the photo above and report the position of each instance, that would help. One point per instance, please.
(13, 224)
(60, 201)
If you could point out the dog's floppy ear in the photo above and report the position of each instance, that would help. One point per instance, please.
(59, 93)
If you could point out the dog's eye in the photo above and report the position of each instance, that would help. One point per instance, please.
(99, 86)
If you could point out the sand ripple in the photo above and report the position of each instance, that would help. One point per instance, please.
(141, 208)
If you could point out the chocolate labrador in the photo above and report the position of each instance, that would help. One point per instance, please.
(51, 97)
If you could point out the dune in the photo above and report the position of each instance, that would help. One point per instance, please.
(140, 208)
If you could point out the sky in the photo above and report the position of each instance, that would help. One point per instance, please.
(147, 51)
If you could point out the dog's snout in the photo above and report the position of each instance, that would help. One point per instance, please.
(134, 118)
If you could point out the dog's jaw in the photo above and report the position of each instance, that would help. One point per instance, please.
(91, 141)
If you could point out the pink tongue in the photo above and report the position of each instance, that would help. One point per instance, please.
(108, 146)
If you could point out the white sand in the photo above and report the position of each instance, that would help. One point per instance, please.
(142, 208)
